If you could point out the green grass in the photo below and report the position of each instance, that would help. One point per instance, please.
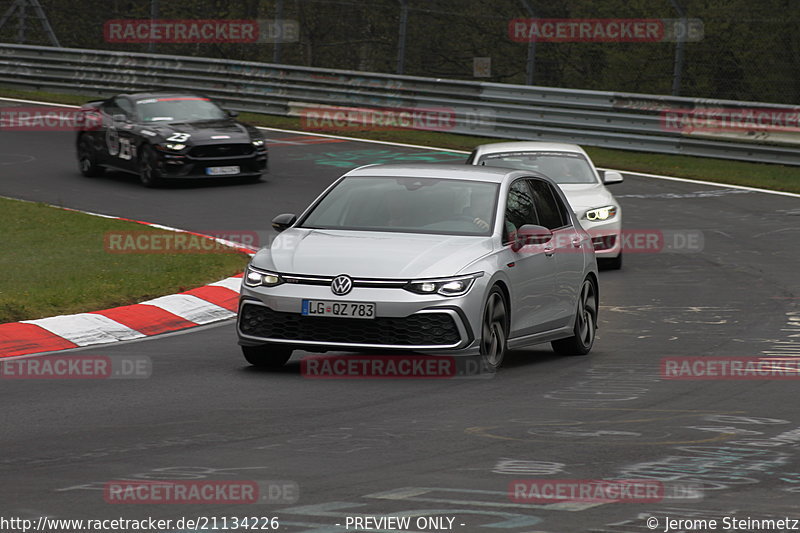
(55, 262)
(766, 176)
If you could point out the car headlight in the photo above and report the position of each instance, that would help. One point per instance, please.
(601, 213)
(261, 278)
(175, 147)
(258, 142)
(455, 286)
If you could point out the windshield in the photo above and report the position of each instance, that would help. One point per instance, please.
(178, 109)
(410, 205)
(561, 167)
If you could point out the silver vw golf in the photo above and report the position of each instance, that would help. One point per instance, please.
(423, 258)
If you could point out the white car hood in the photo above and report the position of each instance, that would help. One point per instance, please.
(587, 196)
(371, 254)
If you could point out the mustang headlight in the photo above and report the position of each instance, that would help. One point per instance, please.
(601, 213)
(174, 147)
(455, 286)
(261, 278)
(258, 143)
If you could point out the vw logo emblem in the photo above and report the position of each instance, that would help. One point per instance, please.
(341, 285)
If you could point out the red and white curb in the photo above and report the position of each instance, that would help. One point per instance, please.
(196, 307)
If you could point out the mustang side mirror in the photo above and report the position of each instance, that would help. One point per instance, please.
(232, 113)
(284, 221)
(119, 118)
(530, 234)
(611, 177)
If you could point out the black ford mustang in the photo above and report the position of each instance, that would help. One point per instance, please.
(163, 135)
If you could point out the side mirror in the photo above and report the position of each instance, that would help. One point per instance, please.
(119, 118)
(530, 234)
(611, 177)
(232, 113)
(284, 221)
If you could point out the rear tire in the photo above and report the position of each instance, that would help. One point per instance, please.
(267, 355)
(87, 158)
(585, 327)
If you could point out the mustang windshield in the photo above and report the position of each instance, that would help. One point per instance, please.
(561, 167)
(178, 109)
(409, 205)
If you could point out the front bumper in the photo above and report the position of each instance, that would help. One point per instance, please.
(606, 236)
(187, 165)
(404, 321)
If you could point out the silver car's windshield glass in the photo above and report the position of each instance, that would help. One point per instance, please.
(561, 167)
(178, 109)
(409, 205)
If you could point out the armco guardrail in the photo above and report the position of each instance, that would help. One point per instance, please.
(592, 118)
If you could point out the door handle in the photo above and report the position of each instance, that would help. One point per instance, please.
(577, 242)
(549, 251)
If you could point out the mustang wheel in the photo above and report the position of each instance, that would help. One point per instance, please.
(494, 330)
(148, 173)
(585, 324)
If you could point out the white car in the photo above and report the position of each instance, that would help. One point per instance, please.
(570, 167)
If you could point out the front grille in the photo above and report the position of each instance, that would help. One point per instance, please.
(425, 329)
(221, 150)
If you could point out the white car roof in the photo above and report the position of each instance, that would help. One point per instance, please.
(528, 146)
(433, 170)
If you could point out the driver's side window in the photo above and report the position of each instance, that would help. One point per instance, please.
(519, 210)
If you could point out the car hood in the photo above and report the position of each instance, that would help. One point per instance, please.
(207, 131)
(371, 254)
(586, 196)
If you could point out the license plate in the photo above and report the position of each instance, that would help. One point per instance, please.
(338, 309)
(222, 171)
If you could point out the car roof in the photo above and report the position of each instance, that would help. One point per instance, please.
(161, 94)
(528, 146)
(435, 170)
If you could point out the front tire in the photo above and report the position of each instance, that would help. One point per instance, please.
(87, 158)
(148, 170)
(268, 355)
(494, 330)
(585, 327)
(614, 263)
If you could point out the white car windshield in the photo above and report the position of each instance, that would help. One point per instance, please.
(410, 205)
(561, 167)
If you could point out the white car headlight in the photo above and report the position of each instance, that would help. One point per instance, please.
(601, 213)
(261, 278)
(177, 147)
(455, 286)
(258, 142)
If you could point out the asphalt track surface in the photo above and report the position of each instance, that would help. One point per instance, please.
(430, 447)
